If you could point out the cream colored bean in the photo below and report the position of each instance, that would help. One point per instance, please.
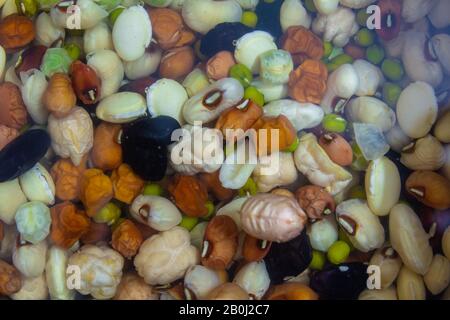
(132, 33)
(383, 185)
(38, 185)
(311, 160)
(409, 239)
(438, 276)
(446, 243)
(362, 226)
(167, 97)
(9, 7)
(426, 153)
(390, 264)
(371, 110)
(410, 285)
(417, 109)
(11, 197)
(442, 128)
(109, 68)
(2, 62)
(47, 32)
(97, 38)
(276, 170)
(55, 272)
(121, 107)
(33, 88)
(144, 66)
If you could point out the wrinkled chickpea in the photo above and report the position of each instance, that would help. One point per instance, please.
(286, 134)
(167, 26)
(67, 179)
(176, 63)
(165, 257)
(10, 279)
(101, 270)
(13, 112)
(189, 194)
(308, 83)
(133, 287)
(127, 239)
(214, 186)
(68, 224)
(220, 242)
(126, 184)
(106, 152)
(302, 44)
(7, 135)
(73, 135)
(96, 190)
(59, 97)
(219, 65)
(316, 201)
(97, 233)
(272, 217)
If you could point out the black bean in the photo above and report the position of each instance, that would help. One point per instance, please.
(23, 153)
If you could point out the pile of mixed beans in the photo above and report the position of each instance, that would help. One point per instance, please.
(92, 204)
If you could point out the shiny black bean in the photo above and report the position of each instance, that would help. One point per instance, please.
(23, 153)
(340, 282)
(269, 17)
(222, 37)
(158, 130)
(288, 259)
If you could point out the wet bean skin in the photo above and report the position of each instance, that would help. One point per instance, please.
(23, 153)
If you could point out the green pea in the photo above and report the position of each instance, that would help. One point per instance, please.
(334, 123)
(318, 260)
(375, 54)
(361, 17)
(249, 188)
(338, 252)
(153, 189)
(27, 7)
(293, 146)
(357, 192)
(310, 6)
(334, 53)
(55, 60)
(249, 18)
(338, 61)
(359, 162)
(391, 93)
(327, 49)
(73, 50)
(364, 37)
(211, 208)
(113, 15)
(108, 214)
(255, 95)
(393, 69)
(241, 73)
(188, 222)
